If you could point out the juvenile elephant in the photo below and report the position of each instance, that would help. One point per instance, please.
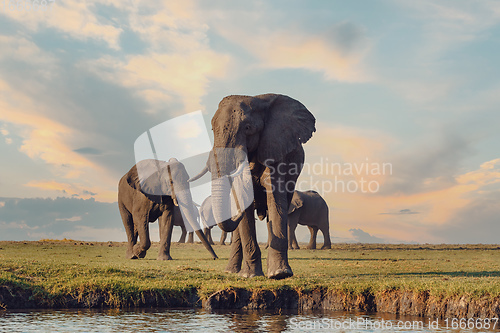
(267, 131)
(178, 221)
(310, 209)
(150, 191)
(208, 220)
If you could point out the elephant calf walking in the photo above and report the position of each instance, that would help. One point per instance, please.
(310, 209)
(207, 220)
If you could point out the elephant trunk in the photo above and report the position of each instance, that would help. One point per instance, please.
(205, 242)
(190, 216)
(221, 205)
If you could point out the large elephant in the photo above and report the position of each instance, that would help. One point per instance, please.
(269, 131)
(150, 191)
(310, 209)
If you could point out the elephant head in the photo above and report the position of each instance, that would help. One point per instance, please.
(158, 180)
(264, 129)
(296, 202)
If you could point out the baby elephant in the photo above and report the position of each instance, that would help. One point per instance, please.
(310, 209)
(208, 220)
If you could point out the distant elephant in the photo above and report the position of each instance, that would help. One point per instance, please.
(180, 223)
(150, 191)
(269, 131)
(208, 220)
(310, 209)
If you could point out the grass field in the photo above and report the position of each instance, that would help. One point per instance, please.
(56, 268)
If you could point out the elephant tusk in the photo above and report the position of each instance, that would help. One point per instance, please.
(198, 176)
(238, 171)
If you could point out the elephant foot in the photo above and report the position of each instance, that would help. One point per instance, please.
(232, 270)
(326, 247)
(251, 269)
(130, 255)
(139, 252)
(279, 274)
(163, 256)
(311, 247)
(222, 243)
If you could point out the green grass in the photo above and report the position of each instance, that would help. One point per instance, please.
(55, 269)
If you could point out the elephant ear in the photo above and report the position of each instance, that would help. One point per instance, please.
(287, 125)
(296, 203)
(151, 178)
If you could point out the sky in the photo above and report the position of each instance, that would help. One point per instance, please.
(406, 96)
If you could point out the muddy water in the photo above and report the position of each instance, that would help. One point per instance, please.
(198, 320)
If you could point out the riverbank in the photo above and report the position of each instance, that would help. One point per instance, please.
(425, 280)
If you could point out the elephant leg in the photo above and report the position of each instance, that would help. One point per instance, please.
(165, 225)
(141, 222)
(190, 238)
(223, 237)
(277, 255)
(252, 262)
(312, 242)
(128, 223)
(236, 254)
(325, 230)
(208, 235)
(292, 225)
(183, 235)
(269, 235)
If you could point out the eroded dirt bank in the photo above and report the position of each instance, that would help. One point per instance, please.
(402, 302)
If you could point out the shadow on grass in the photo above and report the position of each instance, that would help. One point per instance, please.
(444, 274)
(359, 259)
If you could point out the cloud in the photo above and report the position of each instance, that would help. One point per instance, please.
(438, 64)
(32, 219)
(160, 78)
(87, 151)
(75, 19)
(295, 50)
(71, 219)
(477, 222)
(431, 165)
(364, 237)
(402, 212)
(336, 50)
(177, 62)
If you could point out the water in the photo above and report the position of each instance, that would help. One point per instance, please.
(198, 320)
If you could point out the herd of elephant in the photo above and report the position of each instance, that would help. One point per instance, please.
(269, 131)
(307, 208)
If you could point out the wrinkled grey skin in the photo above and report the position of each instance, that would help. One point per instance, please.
(310, 209)
(270, 129)
(138, 208)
